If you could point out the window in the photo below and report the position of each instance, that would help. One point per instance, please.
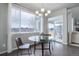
(15, 22)
(55, 27)
(27, 22)
(24, 22)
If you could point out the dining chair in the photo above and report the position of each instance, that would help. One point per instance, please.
(22, 46)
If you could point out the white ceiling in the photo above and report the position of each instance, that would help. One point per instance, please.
(48, 6)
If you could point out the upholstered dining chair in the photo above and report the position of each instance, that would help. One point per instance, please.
(22, 46)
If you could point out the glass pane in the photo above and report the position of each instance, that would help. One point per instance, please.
(55, 27)
(38, 24)
(24, 22)
(27, 22)
(15, 22)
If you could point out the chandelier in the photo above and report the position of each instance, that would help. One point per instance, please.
(43, 12)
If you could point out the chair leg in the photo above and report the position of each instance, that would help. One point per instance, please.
(28, 52)
(19, 51)
(31, 50)
(34, 47)
(49, 48)
(52, 46)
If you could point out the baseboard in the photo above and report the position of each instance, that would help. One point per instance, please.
(76, 45)
(3, 52)
(12, 50)
(7, 52)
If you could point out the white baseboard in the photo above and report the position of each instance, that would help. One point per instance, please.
(7, 52)
(3, 52)
(12, 50)
(76, 45)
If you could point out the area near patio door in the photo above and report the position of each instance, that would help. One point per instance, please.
(55, 27)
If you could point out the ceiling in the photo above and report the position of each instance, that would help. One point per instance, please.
(48, 6)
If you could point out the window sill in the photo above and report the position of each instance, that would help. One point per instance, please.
(23, 32)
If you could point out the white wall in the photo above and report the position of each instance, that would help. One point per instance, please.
(3, 26)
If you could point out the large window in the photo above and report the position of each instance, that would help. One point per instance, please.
(23, 21)
(15, 22)
(55, 27)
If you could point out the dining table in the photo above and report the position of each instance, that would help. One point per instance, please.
(42, 41)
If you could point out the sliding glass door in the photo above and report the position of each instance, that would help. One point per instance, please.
(55, 28)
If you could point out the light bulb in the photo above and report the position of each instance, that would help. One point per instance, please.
(48, 11)
(40, 14)
(46, 14)
(42, 9)
(37, 12)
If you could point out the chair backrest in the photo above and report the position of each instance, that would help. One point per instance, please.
(18, 42)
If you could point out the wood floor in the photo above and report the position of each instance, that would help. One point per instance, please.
(58, 50)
